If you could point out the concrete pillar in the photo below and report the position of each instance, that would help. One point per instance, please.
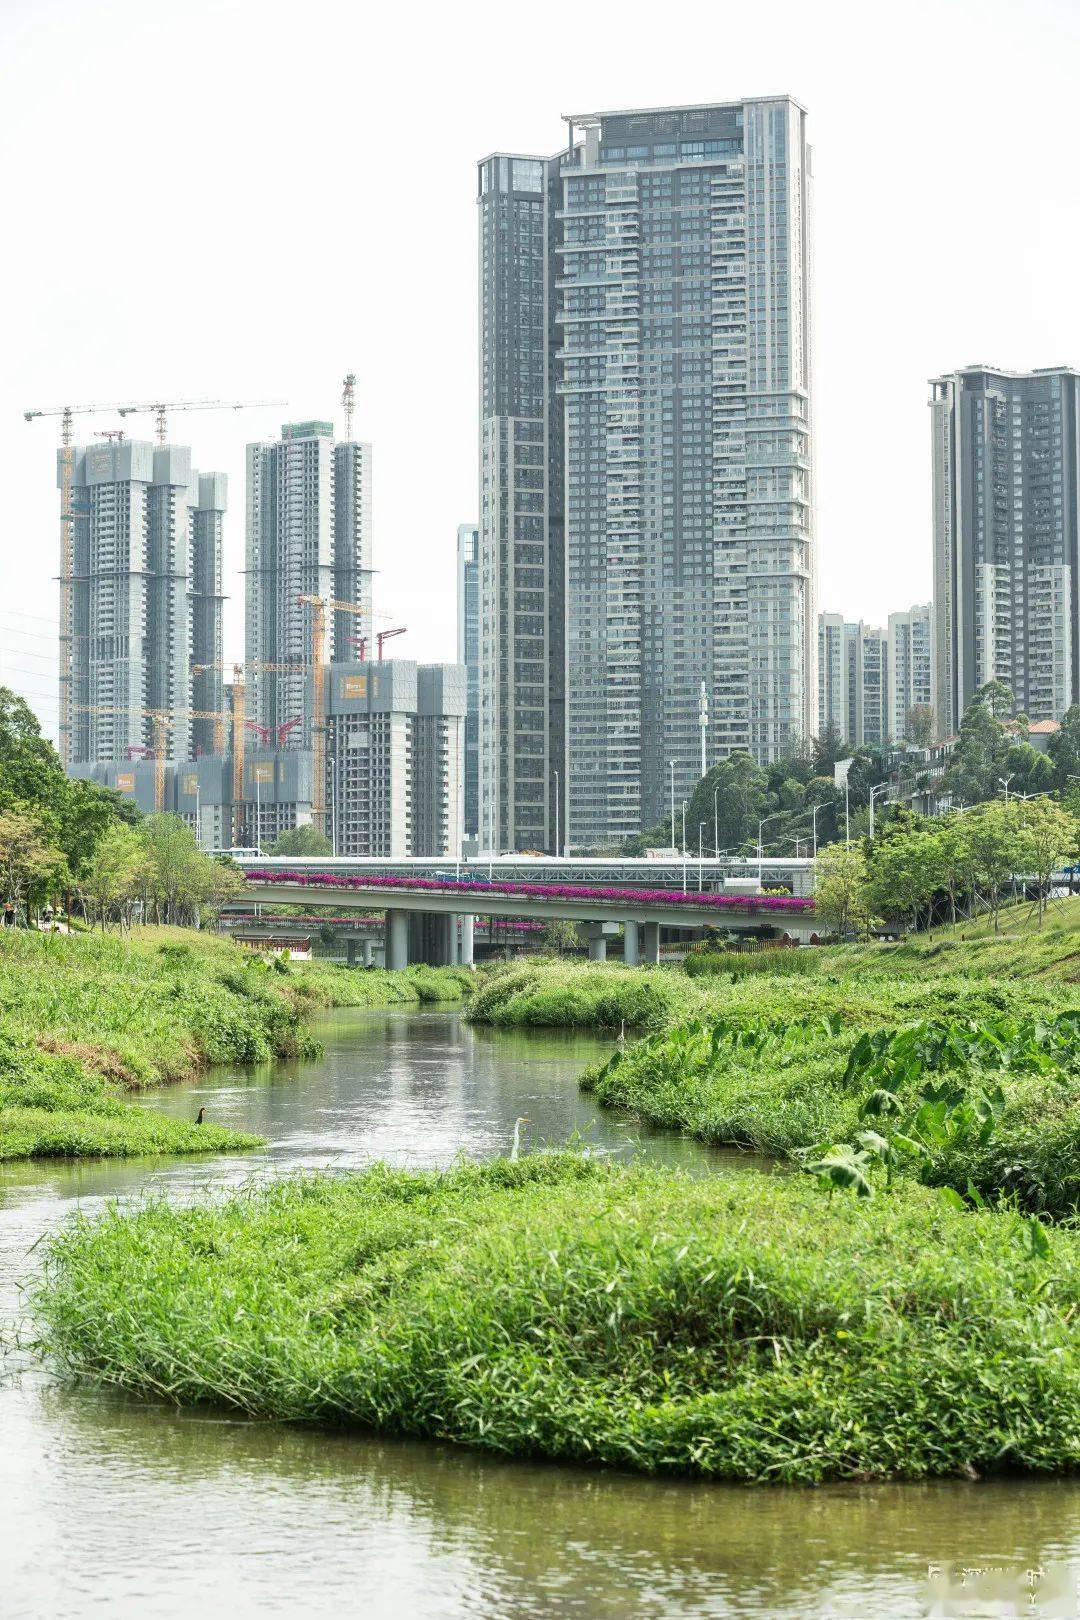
(350, 951)
(630, 942)
(597, 948)
(369, 951)
(444, 940)
(466, 920)
(652, 942)
(397, 939)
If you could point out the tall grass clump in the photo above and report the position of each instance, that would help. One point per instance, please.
(576, 995)
(751, 1329)
(788, 964)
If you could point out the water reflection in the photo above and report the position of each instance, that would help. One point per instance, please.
(118, 1506)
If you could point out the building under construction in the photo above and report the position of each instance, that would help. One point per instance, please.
(308, 536)
(145, 596)
(394, 783)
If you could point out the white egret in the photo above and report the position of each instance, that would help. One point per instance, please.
(518, 1123)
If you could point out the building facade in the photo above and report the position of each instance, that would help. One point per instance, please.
(308, 534)
(911, 684)
(468, 652)
(656, 278)
(395, 758)
(1005, 452)
(521, 576)
(853, 681)
(145, 598)
(395, 770)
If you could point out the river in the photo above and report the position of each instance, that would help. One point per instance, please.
(111, 1506)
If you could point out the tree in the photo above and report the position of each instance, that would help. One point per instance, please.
(1063, 748)
(730, 799)
(31, 862)
(174, 867)
(991, 836)
(906, 870)
(111, 881)
(841, 896)
(1047, 834)
(306, 840)
(996, 697)
(978, 759)
(220, 880)
(920, 725)
(828, 748)
(561, 936)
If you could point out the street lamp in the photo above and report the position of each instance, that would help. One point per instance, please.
(880, 788)
(816, 808)
(716, 819)
(1005, 780)
(774, 817)
(556, 815)
(700, 852)
(671, 763)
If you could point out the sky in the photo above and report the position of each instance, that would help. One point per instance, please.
(245, 201)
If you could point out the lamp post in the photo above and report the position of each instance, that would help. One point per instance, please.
(684, 846)
(815, 810)
(198, 827)
(556, 815)
(671, 764)
(775, 816)
(881, 786)
(847, 814)
(700, 852)
(1005, 780)
(716, 819)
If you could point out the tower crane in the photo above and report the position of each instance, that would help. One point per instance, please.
(319, 606)
(348, 402)
(387, 635)
(161, 408)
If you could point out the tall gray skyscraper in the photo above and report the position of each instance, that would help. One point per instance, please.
(145, 596)
(308, 534)
(522, 650)
(1005, 457)
(646, 399)
(468, 652)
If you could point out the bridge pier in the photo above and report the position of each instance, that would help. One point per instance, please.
(467, 921)
(350, 951)
(397, 938)
(652, 943)
(369, 952)
(630, 942)
(597, 948)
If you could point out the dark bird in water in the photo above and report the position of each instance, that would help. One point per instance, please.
(199, 1116)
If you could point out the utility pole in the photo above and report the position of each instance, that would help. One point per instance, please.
(672, 765)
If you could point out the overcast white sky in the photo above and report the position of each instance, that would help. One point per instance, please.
(247, 200)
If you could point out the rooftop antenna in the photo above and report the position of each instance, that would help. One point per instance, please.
(348, 400)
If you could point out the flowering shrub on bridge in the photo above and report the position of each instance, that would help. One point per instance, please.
(541, 891)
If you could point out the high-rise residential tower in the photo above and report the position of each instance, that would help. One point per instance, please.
(1005, 456)
(468, 652)
(647, 293)
(853, 681)
(145, 596)
(308, 534)
(911, 683)
(522, 651)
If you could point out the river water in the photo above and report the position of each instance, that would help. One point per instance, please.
(111, 1506)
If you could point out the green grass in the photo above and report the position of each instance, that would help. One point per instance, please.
(751, 1329)
(86, 1017)
(577, 995)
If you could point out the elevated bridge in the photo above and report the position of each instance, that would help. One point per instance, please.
(430, 916)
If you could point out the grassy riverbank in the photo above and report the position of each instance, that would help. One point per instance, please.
(752, 1329)
(86, 1017)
